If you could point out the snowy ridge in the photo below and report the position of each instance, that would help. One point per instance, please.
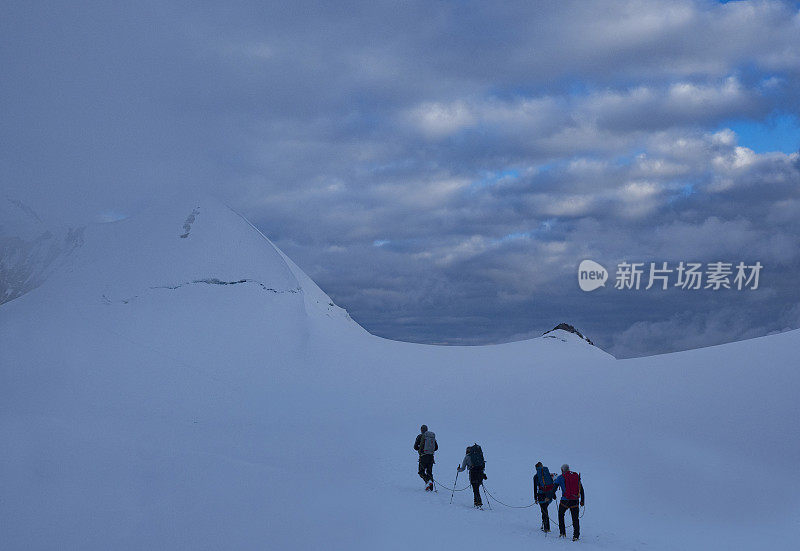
(209, 412)
(315, 298)
(29, 249)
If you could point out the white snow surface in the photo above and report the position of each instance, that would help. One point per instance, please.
(201, 392)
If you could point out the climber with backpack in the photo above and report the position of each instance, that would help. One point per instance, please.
(473, 460)
(571, 489)
(544, 491)
(426, 445)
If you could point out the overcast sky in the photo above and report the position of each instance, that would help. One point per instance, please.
(439, 168)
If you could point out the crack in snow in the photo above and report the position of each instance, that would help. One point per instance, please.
(209, 281)
(215, 281)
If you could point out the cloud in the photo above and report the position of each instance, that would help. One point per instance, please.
(487, 148)
(436, 120)
(697, 330)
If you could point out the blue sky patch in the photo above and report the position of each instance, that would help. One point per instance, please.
(779, 132)
(489, 178)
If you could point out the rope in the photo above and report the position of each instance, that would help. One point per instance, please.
(505, 504)
(583, 510)
(552, 522)
(451, 489)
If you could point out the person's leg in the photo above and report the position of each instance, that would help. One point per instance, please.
(562, 529)
(421, 470)
(545, 515)
(576, 526)
(429, 467)
(476, 487)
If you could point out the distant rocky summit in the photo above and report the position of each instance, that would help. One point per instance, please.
(570, 329)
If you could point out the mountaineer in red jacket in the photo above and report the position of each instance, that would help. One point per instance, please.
(571, 490)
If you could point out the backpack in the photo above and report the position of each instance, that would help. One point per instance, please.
(546, 482)
(428, 443)
(572, 486)
(475, 454)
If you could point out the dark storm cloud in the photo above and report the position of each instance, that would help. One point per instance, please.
(439, 168)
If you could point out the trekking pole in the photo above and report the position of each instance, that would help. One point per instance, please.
(454, 488)
(488, 501)
(533, 480)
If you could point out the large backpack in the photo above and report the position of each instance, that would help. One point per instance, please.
(476, 457)
(428, 443)
(572, 486)
(546, 482)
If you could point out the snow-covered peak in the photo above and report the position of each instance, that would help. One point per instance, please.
(566, 333)
(194, 244)
(178, 245)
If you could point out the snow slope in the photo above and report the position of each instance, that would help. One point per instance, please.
(183, 385)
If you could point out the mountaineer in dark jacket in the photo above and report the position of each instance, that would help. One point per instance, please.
(426, 445)
(473, 460)
(544, 491)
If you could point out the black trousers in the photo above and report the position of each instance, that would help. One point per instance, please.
(545, 515)
(426, 467)
(572, 505)
(476, 477)
(476, 487)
